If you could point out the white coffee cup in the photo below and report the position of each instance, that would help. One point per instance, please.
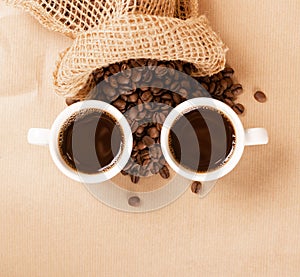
(243, 137)
(50, 137)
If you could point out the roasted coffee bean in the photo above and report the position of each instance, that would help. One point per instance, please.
(196, 187)
(120, 104)
(158, 117)
(176, 98)
(186, 85)
(228, 81)
(204, 85)
(228, 93)
(146, 162)
(237, 89)
(238, 108)
(134, 201)
(108, 90)
(164, 172)
(155, 168)
(147, 96)
(228, 102)
(152, 64)
(162, 160)
(139, 131)
(260, 96)
(167, 81)
(123, 80)
(155, 151)
(132, 113)
(70, 101)
(153, 132)
(114, 68)
(136, 76)
(134, 179)
(124, 172)
(175, 86)
(141, 145)
(212, 87)
(113, 82)
(147, 76)
(148, 141)
(227, 72)
(161, 71)
(133, 97)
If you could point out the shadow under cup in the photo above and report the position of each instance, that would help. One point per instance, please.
(200, 140)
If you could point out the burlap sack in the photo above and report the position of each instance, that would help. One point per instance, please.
(186, 8)
(71, 17)
(137, 36)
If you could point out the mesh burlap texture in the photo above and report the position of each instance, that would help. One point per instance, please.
(138, 36)
(186, 8)
(71, 17)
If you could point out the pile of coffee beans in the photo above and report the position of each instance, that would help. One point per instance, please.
(145, 91)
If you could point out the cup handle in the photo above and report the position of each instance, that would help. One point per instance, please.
(256, 136)
(38, 136)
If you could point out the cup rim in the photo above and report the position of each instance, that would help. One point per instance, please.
(192, 104)
(109, 172)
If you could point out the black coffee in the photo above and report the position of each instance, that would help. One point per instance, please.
(202, 139)
(90, 141)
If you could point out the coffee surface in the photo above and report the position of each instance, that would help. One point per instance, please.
(90, 140)
(202, 139)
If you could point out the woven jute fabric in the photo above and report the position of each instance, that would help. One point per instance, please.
(72, 17)
(137, 36)
(186, 8)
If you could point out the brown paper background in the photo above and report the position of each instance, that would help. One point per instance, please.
(247, 226)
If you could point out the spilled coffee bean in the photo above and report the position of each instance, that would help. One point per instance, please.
(196, 187)
(260, 96)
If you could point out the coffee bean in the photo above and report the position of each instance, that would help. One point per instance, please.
(120, 104)
(148, 141)
(237, 89)
(141, 145)
(164, 172)
(98, 75)
(228, 81)
(153, 132)
(147, 77)
(155, 151)
(227, 72)
(152, 64)
(146, 162)
(158, 117)
(196, 187)
(124, 172)
(123, 80)
(136, 76)
(113, 82)
(108, 90)
(228, 93)
(183, 92)
(134, 201)
(238, 108)
(139, 131)
(134, 179)
(204, 85)
(161, 71)
(114, 68)
(132, 113)
(147, 96)
(212, 87)
(70, 101)
(133, 97)
(228, 102)
(260, 96)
